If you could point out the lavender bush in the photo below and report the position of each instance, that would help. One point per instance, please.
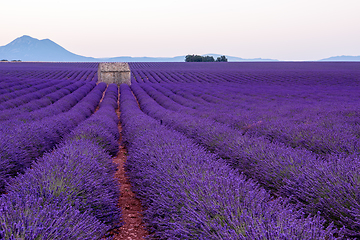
(273, 164)
(74, 187)
(102, 127)
(40, 103)
(23, 143)
(191, 194)
(27, 217)
(288, 135)
(79, 173)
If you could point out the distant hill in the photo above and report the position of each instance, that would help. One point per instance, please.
(179, 59)
(26, 48)
(143, 59)
(238, 59)
(342, 58)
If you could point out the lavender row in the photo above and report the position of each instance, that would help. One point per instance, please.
(282, 73)
(324, 123)
(67, 88)
(32, 86)
(191, 194)
(54, 71)
(23, 143)
(143, 76)
(74, 185)
(332, 130)
(55, 199)
(34, 93)
(102, 126)
(49, 74)
(10, 85)
(178, 108)
(197, 93)
(62, 105)
(85, 75)
(102, 130)
(222, 77)
(328, 186)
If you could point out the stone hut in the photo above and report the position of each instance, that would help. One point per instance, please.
(117, 72)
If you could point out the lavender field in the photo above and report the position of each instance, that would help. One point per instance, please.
(214, 150)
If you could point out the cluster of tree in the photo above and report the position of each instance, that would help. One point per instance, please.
(5, 60)
(198, 58)
(221, 59)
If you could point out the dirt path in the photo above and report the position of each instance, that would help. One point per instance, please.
(133, 228)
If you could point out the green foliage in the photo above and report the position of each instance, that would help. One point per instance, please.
(221, 59)
(208, 59)
(198, 58)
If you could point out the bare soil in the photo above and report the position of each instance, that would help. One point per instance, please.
(133, 228)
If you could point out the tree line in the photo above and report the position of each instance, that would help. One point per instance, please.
(198, 58)
(5, 60)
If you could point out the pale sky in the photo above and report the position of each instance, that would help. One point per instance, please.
(278, 29)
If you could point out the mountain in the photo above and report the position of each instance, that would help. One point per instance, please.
(342, 58)
(179, 59)
(143, 59)
(238, 59)
(26, 48)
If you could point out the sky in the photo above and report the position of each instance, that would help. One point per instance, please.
(277, 29)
